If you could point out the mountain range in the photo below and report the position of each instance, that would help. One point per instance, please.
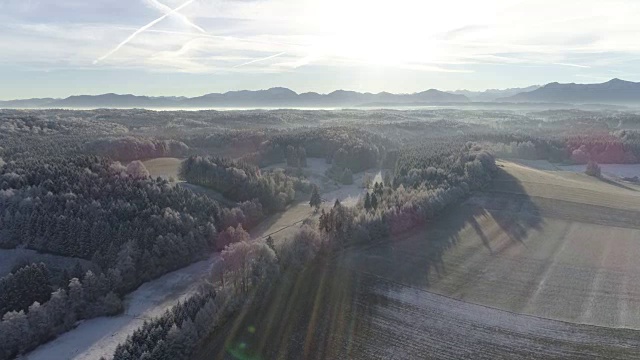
(493, 94)
(274, 97)
(615, 91)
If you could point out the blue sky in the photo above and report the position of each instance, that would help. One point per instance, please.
(65, 47)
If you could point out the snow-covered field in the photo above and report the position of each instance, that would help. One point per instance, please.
(99, 337)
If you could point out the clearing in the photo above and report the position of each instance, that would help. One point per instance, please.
(164, 167)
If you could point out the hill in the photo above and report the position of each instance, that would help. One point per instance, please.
(614, 91)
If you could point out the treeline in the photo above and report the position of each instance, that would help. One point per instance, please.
(619, 147)
(345, 147)
(240, 181)
(135, 148)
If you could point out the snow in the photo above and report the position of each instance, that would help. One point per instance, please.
(99, 337)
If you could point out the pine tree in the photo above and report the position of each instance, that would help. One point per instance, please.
(374, 201)
(316, 200)
(323, 223)
(367, 202)
(271, 244)
(337, 203)
(387, 179)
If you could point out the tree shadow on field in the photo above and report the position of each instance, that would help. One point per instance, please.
(616, 183)
(493, 221)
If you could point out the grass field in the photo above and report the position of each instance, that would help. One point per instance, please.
(163, 167)
(523, 269)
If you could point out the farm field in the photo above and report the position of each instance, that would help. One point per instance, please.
(537, 243)
(527, 268)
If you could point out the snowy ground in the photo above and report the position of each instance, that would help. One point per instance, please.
(100, 336)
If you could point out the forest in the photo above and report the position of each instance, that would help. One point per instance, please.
(72, 184)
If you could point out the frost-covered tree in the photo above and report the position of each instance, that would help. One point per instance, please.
(593, 169)
(316, 200)
(137, 170)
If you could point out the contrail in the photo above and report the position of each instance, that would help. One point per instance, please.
(141, 30)
(261, 59)
(573, 65)
(164, 8)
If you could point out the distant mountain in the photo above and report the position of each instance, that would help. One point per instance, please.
(493, 94)
(614, 91)
(113, 101)
(26, 103)
(282, 97)
(274, 97)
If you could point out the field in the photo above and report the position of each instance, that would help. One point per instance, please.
(525, 269)
(554, 245)
(163, 167)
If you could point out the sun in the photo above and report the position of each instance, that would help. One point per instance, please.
(388, 33)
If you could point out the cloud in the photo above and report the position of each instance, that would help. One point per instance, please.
(405, 34)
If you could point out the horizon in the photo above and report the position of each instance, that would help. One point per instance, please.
(305, 92)
(194, 47)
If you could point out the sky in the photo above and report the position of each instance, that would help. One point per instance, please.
(58, 48)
